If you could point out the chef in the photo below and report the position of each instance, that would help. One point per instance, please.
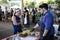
(46, 23)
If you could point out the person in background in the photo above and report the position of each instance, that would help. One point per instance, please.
(16, 21)
(46, 23)
(5, 13)
(35, 9)
(0, 14)
(59, 26)
(33, 15)
(11, 12)
(26, 18)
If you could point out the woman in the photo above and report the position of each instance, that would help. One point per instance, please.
(33, 16)
(16, 22)
(26, 18)
(5, 13)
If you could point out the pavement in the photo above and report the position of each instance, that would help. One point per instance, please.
(6, 29)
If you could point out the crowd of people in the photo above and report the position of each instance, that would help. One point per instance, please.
(4, 13)
(26, 11)
(45, 23)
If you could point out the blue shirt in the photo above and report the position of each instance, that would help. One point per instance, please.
(47, 21)
(52, 12)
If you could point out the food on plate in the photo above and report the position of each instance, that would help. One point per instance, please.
(25, 33)
(37, 33)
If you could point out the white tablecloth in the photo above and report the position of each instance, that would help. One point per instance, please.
(29, 38)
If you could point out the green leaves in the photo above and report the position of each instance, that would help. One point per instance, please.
(31, 4)
(4, 1)
(58, 2)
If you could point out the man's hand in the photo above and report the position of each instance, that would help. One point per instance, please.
(34, 27)
(45, 33)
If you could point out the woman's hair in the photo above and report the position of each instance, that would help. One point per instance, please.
(17, 10)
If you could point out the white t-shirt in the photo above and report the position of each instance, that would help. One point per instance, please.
(25, 19)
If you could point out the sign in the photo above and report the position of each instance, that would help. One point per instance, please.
(15, 4)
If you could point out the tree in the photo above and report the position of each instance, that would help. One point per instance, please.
(58, 2)
(32, 4)
(4, 1)
(50, 2)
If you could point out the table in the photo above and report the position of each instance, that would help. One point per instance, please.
(21, 38)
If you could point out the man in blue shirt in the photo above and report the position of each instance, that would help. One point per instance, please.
(46, 23)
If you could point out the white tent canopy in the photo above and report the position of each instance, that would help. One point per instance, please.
(15, 6)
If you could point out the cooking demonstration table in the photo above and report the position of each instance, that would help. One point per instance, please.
(15, 37)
